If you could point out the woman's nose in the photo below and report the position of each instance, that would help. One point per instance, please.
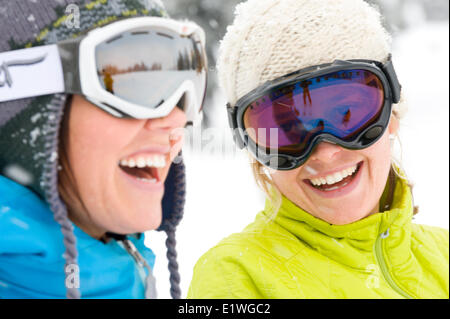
(326, 152)
(175, 119)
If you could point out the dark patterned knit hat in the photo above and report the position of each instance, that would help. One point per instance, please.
(29, 128)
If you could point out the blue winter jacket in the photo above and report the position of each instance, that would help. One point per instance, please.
(31, 254)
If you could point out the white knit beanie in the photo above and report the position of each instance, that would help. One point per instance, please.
(271, 38)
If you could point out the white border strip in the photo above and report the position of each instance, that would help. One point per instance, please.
(30, 72)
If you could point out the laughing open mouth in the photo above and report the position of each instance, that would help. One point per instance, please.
(335, 181)
(145, 169)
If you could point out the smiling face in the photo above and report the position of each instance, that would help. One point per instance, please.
(338, 185)
(119, 167)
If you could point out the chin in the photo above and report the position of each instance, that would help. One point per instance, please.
(143, 219)
(151, 220)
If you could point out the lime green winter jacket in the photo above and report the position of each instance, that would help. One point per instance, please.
(296, 255)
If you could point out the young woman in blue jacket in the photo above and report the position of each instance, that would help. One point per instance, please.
(93, 99)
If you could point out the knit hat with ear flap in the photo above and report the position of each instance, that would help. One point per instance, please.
(29, 128)
(272, 38)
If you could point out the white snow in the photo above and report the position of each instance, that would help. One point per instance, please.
(222, 197)
(34, 134)
(36, 117)
(422, 63)
(18, 173)
(53, 157)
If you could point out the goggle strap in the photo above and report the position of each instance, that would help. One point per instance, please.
(70, 59)
(232, 120)
(391, 75)
(30, 72)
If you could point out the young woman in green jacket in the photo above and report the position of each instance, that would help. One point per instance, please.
(313, 96)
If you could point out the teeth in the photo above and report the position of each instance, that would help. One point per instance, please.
(330, 179)
(334, 178)
(338, 177)
(157, 161)
(131, 163)
(141, 162)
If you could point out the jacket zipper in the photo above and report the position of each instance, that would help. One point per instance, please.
(384, 270)
(149, 282)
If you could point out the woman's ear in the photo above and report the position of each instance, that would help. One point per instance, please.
(393, 125)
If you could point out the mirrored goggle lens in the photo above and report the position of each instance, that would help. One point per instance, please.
(342, 104)
(146, 66)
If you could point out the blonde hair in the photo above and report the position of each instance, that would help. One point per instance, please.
(265, 183)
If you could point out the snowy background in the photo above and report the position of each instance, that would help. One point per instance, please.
(222, 197)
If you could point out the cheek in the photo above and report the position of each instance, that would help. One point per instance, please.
(97, 133)
(379, 158)
(94, 141)
(285, 180)
(90, 146)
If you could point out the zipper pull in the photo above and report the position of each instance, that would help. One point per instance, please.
(132, 250)
(150, 281)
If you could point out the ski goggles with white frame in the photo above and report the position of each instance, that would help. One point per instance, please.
(347, 103)
(136, 68)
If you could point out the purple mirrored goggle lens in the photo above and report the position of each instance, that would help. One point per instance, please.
(342, 104)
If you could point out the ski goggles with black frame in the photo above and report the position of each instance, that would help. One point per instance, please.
(347, 103)
(136, 68)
